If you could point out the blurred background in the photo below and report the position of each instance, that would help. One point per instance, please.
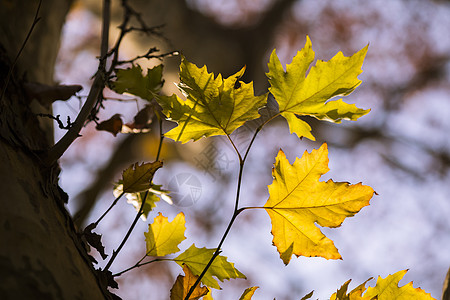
(401, 148)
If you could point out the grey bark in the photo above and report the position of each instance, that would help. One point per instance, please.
(41, 254)
(446, 287)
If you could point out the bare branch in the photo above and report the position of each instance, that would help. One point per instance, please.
(61, 146)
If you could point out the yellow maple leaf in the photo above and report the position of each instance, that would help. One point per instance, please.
(298, 200)
(209, 295)
(299, 94)
(248, 293)
(355, 294)
(163, 237)
(388, 289)
(182, 285)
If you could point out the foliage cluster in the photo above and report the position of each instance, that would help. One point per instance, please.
(299, 203)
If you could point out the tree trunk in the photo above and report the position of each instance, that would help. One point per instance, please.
(41, 254)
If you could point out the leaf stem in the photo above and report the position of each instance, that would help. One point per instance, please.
(139, 264)
(260, 127)
(252, 140)
(241, 161)
(110, 207)
(138, 215)
(253, 207)
(161, 136)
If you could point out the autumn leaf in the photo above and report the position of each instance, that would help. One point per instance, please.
(137, 178)
(157, 189)
(307, 296)
(155, 193)
(94, 239)
(142, 120)
(298, 94)
(208, 296)
(112, 125)
(388, 289)
(355, 294)
(298, 200)
(197, 259)
(182, 285)
(132, 81)
(213, 106)
(248, 293)
(136, 200)
(106, 278)
(163, 237)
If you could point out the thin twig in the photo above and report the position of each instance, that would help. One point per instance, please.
(230, 224)
(144, 28)
(139, 264)
(148, 55)
(161, 136)
(123, 30)
(58, 120)
(128, 12)
(8, 77)
(124, 27)
(109, 208)
(138, 215)
(237, 210)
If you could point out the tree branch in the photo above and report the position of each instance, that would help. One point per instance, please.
(61, 146)
(446, 287)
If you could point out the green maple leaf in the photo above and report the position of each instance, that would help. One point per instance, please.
(197, 259)
(298, 200)
(213, 106)
(137, 178)
(163, 237)
(298, 94)
(132, 81)
(388, 289)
